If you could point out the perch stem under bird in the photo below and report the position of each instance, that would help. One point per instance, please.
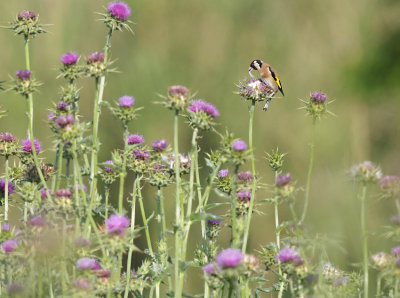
(268, 76)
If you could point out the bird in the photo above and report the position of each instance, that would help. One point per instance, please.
(268, 76)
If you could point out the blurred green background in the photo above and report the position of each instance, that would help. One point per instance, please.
(348, 49)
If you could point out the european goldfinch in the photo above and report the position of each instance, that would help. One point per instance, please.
(268, 75)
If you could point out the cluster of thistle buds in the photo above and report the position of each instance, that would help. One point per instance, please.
(366, 172)
(23, 83)
(125, 110)
(284, 188)
(178, 98)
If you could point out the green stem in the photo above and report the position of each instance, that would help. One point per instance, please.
(162, 227)
(122, 175)
(146, 227)
(132, 229)
(365, 243)
(277, 234)
(30, 123)
(378, 286)
(96, 115)
(178, 211)
(6, 192)
(60, 151)
(106, 195)
(253, 169)
(310, 167)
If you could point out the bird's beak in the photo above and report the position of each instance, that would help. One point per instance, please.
(250, 69)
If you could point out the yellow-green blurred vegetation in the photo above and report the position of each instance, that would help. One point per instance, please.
(347, 49)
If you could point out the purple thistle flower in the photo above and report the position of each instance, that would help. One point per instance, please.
(27, 146)
(116, 224)
(63, 193)
(178, 91)
(108, 169)
(239, 145)
(396, 251)
(51, 116)
(135, 139)
(318, 97)
(141, 154)
(69, 58)
(26, 15)
(81, 284)
(245, 176)
(5, 227)
(213, 222)
(244, 195)
(82, 242)
(210, 268)
(62, 105)
(6, 137)
(389, 182)
(283, 180)
(119, 10)
(223, 173)
(87, 263)
(230, 257)
(159, 145)
(3, 186)
(9, 246)
(65, 120)
(95, 57)
(104, 273)
(126, 101)
(43, 194)
(201, 105)
(37, 221)
(23, 75)
(288, 254)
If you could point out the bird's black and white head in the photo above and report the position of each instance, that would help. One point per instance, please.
(256, 64)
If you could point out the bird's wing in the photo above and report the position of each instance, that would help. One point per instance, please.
(276, 78)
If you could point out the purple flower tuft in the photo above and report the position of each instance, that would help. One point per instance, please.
(108, 169)
(141, 154)
(126, 101)
(210, 268)
(87, 263)
(27, 146)
(3, 186)
(230, 257)
(318, 97)
(135, 139)
(239, 145)
(9, 246)
(95, 57)
(63, 193)
(62, 105)
(80, 188)
(244, 195)
(5, 227)
(43, 194)
(396, 251)
(65, 120)
(69, 58)
(26, 15)
(23, 75)
(51, 116)
(283, 180)
(159, 145)
(119, 10)
(201, 105)
(178, 91)
(245, 176)
(223, 173)
(37, 221)
(6, 137)
(288, 254)
(116, 224)
(389, 182)
(213, 222)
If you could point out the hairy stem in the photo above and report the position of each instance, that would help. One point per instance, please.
(310, 167)
(122, 175)
(146, 227)
(253, 169)
(365, 242)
